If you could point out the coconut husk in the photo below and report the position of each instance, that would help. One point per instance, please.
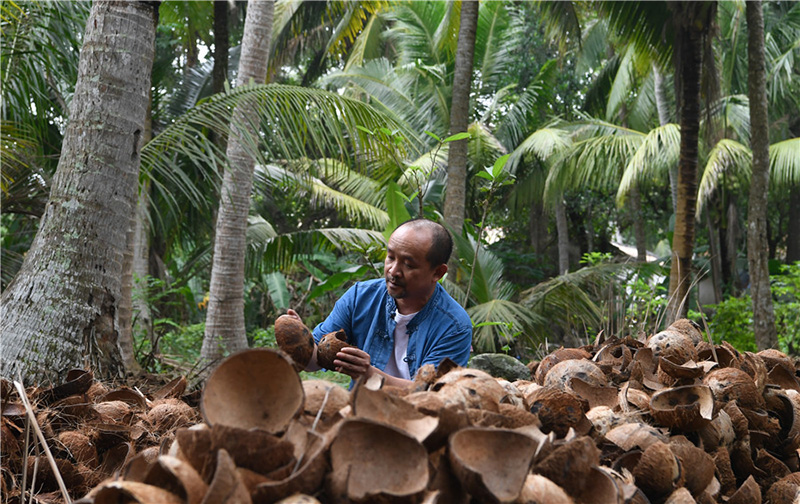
(177, 477)
(595, 395)
(294, 338)
(537, 488)
(329, 345)
(172, 390)
(46, 479)
(131, 397)
(371, 462)
(226, 487)
(444, 486)
(77, 382)
(170, 414)
(559, 411)
(719, 432)
(635, 435)
(491, 463)
(114, 492)
(672, 345)
(748, 493)
(561, 374)
(195, 446)
(570, 464)
(731, 384)
(699, 465)
(688, 328)
(316, 392)
(471, 387)
(784, 491)
(115, 459)
(298, 499)
(256, 388)
(252, 449)
(307, 475)
(560, 355)
(658, 472)
(686, 408)
(79, 446)
(754, 365)
(378, 406)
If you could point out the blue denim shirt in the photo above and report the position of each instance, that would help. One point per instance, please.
(366, 313)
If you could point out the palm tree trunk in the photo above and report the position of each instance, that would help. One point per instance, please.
(793, 237)
(692, 26)
(225, 327)
(454, 201)
(757, 245)
(563, 237)
(61, 309)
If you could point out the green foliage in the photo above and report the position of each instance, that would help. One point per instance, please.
(732, 320)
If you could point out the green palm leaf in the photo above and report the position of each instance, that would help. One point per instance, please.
(658, 151)
(501, 321)
(784, 162)
(728, 159)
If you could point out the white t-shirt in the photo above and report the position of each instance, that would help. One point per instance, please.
(397, 365)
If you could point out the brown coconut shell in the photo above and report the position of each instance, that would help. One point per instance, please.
(719, 432)
(373, 462)
(324, 396)
(307, 475)
(77, 381)
(294, 338)
(699, 465)
(731, 384)
(635, 435)
(561, 374)
(177, 477)
(226, 487)
(174, 389)
(381, 407)
(256, 388)
(329, 345)
(79, 446)
(554, 358)
(253, 449)
(471, 387)
(570, 465)
(114, 492)
(784, 491)
(748, 493)
(559, 411)
(169, 414)
(672, 345)
(658, 472)
(492, 464)
(538, 489)
(686, 408)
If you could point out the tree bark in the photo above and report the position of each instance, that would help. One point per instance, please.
(757, 245)
(60, 310)
(454, 201)
(563, 236)
(225, 325)
(690, 34)
(793, 236)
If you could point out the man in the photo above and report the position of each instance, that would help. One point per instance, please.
(406, 319)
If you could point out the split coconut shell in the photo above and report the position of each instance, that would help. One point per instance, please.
(256, 388)
(329, 345)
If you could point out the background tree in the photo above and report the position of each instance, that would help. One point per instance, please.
(225, 328)
(757, 245)
(61, 307)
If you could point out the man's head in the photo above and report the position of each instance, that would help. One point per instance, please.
(416, 258)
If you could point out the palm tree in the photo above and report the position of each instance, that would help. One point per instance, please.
(459, 116)
(225, 329)
(60, 308)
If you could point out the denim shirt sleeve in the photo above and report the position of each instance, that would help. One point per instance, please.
(455, 345)
(339, 318)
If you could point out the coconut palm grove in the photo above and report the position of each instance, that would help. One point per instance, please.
(621, 181)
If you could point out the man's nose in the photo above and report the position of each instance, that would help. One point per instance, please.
(393, 269)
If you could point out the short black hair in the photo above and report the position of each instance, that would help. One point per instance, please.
(441, 241)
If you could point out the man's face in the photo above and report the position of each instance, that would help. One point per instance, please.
(409, 275)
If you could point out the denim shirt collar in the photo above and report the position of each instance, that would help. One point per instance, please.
(391, 310)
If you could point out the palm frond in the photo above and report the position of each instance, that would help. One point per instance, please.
(728, 159)
(366, 44)
(623, 83)
(354, 209)
(542, 143)
(282, 250)
(561, 22)
(414, 29)
(659, 150)
(500, 321)
(533, 99)
(784, 162)
(497, 35)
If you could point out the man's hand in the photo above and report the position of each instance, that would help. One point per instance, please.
(353, 362)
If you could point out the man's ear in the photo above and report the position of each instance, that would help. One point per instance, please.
(439, 271)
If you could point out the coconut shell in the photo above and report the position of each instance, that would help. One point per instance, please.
(328, 346)
(687, 408)
(570, 465)
(256, 388)
(784, 491)
(372, 462)
(177, 477)
(554, 358)
(295, 339)
(658, 472)
(381, 407)
(316, 392)
(672, 345)
(699, 466)
(538, 489)
(114, 492)
(731, 384)
(561, 374)
(227, 486)
(492, 464)
(558, 411)
(79, 446)
(748, 493)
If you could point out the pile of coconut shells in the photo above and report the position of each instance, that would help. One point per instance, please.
(665, 419)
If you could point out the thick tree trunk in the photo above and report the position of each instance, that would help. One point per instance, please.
(689, 58)
(454, 201)
(60, 310)
(563, 237)
(225, 327)
(757, 247)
